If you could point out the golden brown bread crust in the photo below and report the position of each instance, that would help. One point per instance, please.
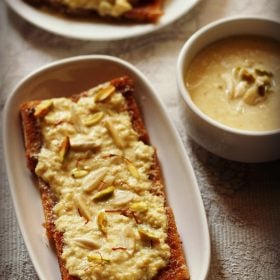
(143, 10)
(150, 12)
(176, 269)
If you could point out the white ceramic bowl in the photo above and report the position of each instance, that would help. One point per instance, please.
(73, 75)
(224, 141)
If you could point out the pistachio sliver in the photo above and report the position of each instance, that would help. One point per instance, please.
(104, 194)
(79, 173)
(104, 93)
(43, 108)
(263, 72)
(146, 235)
(64, 148)
(93, 180)
(139, 207)
(93, 119)
(132, 169)
(102, 222)
(87, 243)
(97, 258)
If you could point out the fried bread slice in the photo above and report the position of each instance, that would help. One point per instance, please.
(175, 268)
(138, 10)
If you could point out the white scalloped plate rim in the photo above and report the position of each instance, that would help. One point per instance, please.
(99, 31)
(181, 185)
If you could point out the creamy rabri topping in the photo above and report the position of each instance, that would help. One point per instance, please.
(114, 226)
(103, 7)
(236, 81)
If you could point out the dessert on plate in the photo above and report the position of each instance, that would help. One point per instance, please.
(101, 186)
(133, 10)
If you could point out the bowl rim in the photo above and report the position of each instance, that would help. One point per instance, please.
(180, 75)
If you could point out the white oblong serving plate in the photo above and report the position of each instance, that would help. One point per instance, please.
(73, 75)
(99, 30)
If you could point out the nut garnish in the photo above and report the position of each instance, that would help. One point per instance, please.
(102, 222)
(104, 93)
(64, 148)
(87, 243)
(82, 208)
(104, 194)
(132, 169)
(93, 180)
(114, 133)
(240, 89)
(97, 259)
(93, 119)
(122, 198)
(43, 108)
(139, 207)
(250, 83)
(84, 144)
(79, 173)
(263, 72)
(146, 235)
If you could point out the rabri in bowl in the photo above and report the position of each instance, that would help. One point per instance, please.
(229, 77)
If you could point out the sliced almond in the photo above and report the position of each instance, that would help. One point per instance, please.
(87, 243)
(104, 194)
(79, 173)
(114, 133)
(84, 144)
(82, 208)
(104, 93)
(102, 222)
(64, 148)
(93, 119)
(122, 198)
(252, 97)
(240, 89)
(93, 180)
(43, 108)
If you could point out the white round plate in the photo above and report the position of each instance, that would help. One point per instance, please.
(98, 30)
